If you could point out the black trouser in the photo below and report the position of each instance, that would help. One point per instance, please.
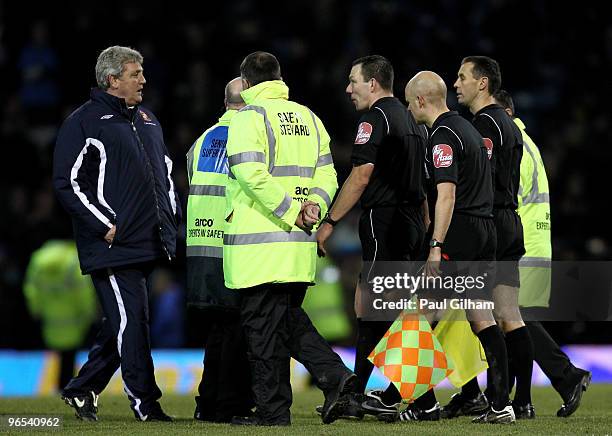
(66, 367)
(225, 389)
(276, 328)
(554, 362)
(123, 339)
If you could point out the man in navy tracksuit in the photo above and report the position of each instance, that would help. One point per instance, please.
(112, 173)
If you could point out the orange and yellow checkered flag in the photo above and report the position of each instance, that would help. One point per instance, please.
(411, 356)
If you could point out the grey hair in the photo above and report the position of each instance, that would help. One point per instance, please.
(111, 62)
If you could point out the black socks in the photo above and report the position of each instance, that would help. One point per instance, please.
(492, 340)
(470, 390)
(368, 335)
(520, 352)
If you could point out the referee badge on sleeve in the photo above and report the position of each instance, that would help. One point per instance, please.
(489, 144)
(442, 155)
(363, 133)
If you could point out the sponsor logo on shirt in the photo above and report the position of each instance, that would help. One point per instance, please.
(106, 117)
(363, 133)
(489, 144)
(442, 156)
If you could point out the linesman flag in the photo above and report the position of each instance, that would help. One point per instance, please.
(411, 356)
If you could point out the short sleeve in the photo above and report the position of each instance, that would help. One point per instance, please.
(371, 130)
(491, 135)
(445, 157)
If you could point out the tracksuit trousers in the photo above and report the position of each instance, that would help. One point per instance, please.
(123, 339)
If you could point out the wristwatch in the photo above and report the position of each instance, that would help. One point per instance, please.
(329, 220)
(434, 243)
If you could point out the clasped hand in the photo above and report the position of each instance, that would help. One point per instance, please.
(309, 215)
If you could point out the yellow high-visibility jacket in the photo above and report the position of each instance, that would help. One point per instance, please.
(534, 209)
(279, 156)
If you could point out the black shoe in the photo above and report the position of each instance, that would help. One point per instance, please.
(256, 421)
(413, 413)
(459, 406)
(353, 410)
(155, 413)
(524, 412)
(374, 405)
(86, 406)
(575, 396)
(338, 399)
(491, 416)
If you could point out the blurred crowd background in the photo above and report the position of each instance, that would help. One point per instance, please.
(555, 61)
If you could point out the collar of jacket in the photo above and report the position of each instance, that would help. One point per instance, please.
(519, 123)
(272, 89)
(227, 116)
(115, 103)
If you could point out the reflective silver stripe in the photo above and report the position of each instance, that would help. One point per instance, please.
(246, 156)
(326, 159)
(283, 207)
(535, 262)
(293, 170)
(213, 190)
(537, 198)
(321, 193)
(267, 237)
(534, 196)
(317, 130)
(231, 175)
(269, 132)
(203, 250)
(190, 157)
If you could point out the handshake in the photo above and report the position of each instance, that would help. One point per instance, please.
(309, 215)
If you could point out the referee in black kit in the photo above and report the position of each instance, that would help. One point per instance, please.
(479, 78)
(460, 200)
(387, 175)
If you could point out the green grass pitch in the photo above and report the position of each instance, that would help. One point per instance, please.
(593, 418)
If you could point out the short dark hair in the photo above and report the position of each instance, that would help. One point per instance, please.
(484, 66)
(504, 99)
(260, 66)
(377, 67)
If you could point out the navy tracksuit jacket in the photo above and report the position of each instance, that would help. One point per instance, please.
(111, 167)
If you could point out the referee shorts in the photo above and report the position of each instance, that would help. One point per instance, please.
(468, 251)
(390, 234)
(510, 246)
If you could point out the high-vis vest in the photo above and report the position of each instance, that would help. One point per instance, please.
(534, 209)
(279, 156)
(59, 295)
(207, 169)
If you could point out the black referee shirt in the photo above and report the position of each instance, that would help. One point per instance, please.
(388, 137)
(456, 153)
(504, 138)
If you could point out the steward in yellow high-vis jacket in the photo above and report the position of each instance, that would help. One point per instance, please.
(62, 298)
(281, 179)
(535, 270)
(224, 390)
(534, 209)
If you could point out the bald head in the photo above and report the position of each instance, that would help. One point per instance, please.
(233, 100)
(429, 85)
(426, 97)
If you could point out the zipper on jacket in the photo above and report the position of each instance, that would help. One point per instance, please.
(150, 169)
